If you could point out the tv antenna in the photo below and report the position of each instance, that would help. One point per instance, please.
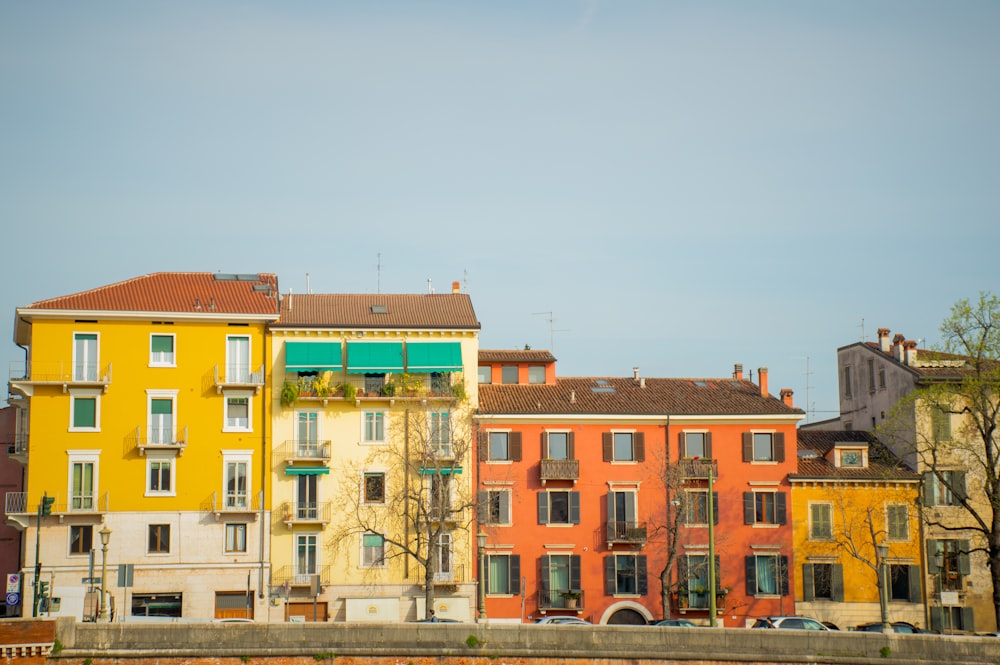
(552, 330)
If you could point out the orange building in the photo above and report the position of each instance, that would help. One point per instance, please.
(589, 488)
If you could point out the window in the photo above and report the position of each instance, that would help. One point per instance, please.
(372, 550)
(557, 445)
(871, 376)
(696, 444)
(306, 563)
(853, 458)
(237, 359)
(81, 539)
(692, 575)
(940, 424)
(236, 538)
(508, 374)
(558, 507)
(440, 435)
(898, 516)
(696, 507)
(622, 523)
(766, 507)
(881, 377)
(560, 573)
(160, 475)
(949, 561)
(944, 488)
(439, 493)
(159, 539)
(536, 374)
(495, 507)
(85, 357)
(443, 557)
(624, 447)
(500, 446)
(84, 411)
(820, 521)
(767, 575)
(625, 575)
(847, 381)
(307, 434)
(161, 351)
(374, 487)
(306, 498)
(904, 583)
(374, 383)
(503, 574)
(237, 489)
(84, 477)
(823, 581)
(485, 374)
(763, 447)
(237, 412)
(161, 418)
(374, 426)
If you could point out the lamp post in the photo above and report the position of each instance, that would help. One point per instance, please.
(105, 534)
(481, 542)
(882, 552)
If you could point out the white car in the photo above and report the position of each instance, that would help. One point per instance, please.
(789, 623)
(563, 620)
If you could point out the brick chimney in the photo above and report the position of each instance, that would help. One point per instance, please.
(897, 346)
(883, 340)
(738, 371)
(456, 287)
(786, 397)
(762, 379)
(909, 352)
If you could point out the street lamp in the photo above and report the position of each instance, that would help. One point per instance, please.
(105, 534)
(882, 552)
(481, 542)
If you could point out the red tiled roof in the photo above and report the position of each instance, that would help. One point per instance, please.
(515, 356)
(176, 292)
(340, 310)
(626, 396)
(813, 445)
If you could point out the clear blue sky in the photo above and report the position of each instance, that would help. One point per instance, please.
(683, 185)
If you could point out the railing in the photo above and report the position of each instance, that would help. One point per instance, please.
(59, 372)
(559, 469)
(16, 503)
(304, 451)
(235, 503)
(454, 576)
(239, 375)
(21, 443)
(561, 599)
(298, 578)
(306, 512)
(159, 439)
(626, 532)
(698, 468)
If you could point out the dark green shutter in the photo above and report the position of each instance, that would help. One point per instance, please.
(748, 508)
(610, 579)
(932, 567)
(715, 507)
(642, 575)
(574, 507)
(837, 583)
(574, 572)
(964, 567)
(543, 507)
(483, 507)
(808, 588)
(916, 593)
(161, 406)
(514, 575)
(85, 412)
(783, 563)
(750, 563)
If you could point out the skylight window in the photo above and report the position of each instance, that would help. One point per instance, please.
(380, 309)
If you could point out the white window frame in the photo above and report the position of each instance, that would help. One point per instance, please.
(154, 360)
(614, 447)
(300, 576)
(82, 359)
(690, 495)
(153, 457)
(533, 371)
(362, 559)
(506, 459)
(85, 393)
(703, 433)
(158, 395)
(504, 520)
(234, 365)
(753, 447)
(237, 457)
(444, 555)
(92, 457)
(364, 427)
(234, 526)
(442, 449)
(774, 507)
(237, 394)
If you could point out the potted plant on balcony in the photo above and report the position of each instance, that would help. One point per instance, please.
(572, 598)
(349, 391)
(289, 393)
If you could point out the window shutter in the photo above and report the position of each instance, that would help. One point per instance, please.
(546, 599)
(486, 574)
(543, 507)
(708, 445)
(837, 583)
(545, 445)
(642, 581)
(514, 576)
(748, 511)
(610, 581)
(928, 482)
(630, 501)
(779, 446)
(607, 446)
(808, 590)
(484, 446)
(715, 507)
(747, 446)
(682, 575)
(932, 567)
(574, 507)
(570, 450)
(162, 343)
(515, 446)
(968, 619)
(963, 558)
(780, 507)
(574, 572)
(937, 618)
(783, 564)
(483, 507)
(639, 443)
(681, 445)
(611, 512)
(916, 594)
(505, 515)
(958, 484)
(750, 564)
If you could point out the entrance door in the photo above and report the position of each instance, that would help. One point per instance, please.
(232, 605)
(305, 611)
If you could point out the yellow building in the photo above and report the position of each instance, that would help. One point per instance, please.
(372, 397)
(849, 497)
(143, 408)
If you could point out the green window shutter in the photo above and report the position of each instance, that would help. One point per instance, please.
(964, 567)
(85, 412)
(916, 594)
(968, 619)
(808, 588)
(545, 580)
(483, 506)
(574, 572)
(932, 567)
(749, 514)
(750, 564)
(574, 507)
(514, 578)
(783, 564)
(543, 507)
(610, 575)
(642, 574)
(161, 406)
(373, 540)
(837, 583)
(682, 575)
(162, 344)
(937, 618)
(715, 507)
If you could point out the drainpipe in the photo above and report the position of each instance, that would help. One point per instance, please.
(264, 411)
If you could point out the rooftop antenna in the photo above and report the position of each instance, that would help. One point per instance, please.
(308, 288)
(862, 326)
(378, 274)
(465, 279)
(430, 288)
(810, 408)
(551, 319)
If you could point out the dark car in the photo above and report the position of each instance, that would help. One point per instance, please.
(897, 627)
(674, 623)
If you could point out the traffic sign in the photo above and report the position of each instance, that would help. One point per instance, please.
(13, 599)
(91, 580)
(13, 582)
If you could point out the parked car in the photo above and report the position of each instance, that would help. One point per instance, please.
(789, 623)
(674, 623)
(897, 627)
(563, 620)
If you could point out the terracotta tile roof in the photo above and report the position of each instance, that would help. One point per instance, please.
(515, 356)
(626, 396)
(175, 292)
(378, 311)
(813, 445)
(937, 365)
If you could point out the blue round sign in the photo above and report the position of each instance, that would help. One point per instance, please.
(13, 598)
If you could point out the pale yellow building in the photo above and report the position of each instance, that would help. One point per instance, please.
(145, 420)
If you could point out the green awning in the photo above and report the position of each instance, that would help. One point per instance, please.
(306, 470)
(374, 357)
(424, 357)
(446, 471)
(313, 357)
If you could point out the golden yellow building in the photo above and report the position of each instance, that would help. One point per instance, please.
(850, 497)
(143, 408)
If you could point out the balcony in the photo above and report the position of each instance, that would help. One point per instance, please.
(311, 513)
(288, 577)
(158, 438)
(627, 533)
(294, 452)
(561, 599)
(451, 577)
(559, 469)
(233, 504)
(698, 468)
(238, 377)
(24, 379)
(16, 506)
(18, 451)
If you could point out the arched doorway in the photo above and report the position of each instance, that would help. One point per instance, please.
(627, 617)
